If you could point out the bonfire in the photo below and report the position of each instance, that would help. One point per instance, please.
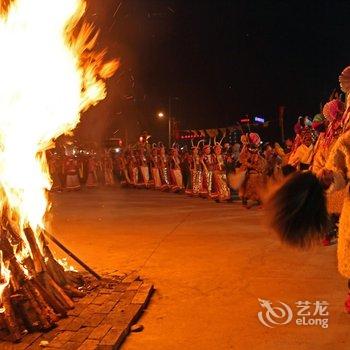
(50, 73)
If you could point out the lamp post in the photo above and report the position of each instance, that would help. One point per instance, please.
(171, 98)
(161, 115)
(170, 119)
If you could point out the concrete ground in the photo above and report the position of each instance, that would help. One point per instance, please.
(209, 263)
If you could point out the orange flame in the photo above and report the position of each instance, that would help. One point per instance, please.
(49, 75)
(66, 267)
(5, 276)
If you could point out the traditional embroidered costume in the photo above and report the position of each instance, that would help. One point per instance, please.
(108, 169)
(175, 170)
(71, 171)
(163, 168)
(255, 167)
(220, 178)
(208, 171)
(144, 168)
(196, 172)
(154, 164)
(91, 180)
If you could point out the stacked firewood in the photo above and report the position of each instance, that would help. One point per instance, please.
(39, 291)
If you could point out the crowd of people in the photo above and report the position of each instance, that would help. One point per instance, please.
(309, 204)
(305, 182)
(247, 170)
(311, 173)
(216, 170)
(89, 168)
(209, 169)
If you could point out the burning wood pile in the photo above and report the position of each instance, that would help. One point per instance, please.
(49, 75)
(36, 290)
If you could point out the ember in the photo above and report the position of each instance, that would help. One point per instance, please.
(49, 75)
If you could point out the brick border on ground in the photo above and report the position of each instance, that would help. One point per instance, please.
(99, 321)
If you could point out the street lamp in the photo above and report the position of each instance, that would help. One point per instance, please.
(161, 115)
(170, 118)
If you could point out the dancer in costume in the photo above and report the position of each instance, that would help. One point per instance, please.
(91, 180)
(55, 168)
(219, 174)
(123, 164)
(175, 170)
(108, 168)
(273, 154)
(196, 172)
(144, 167)
(133, 168)
(71, 170)
(298, 209)
(154, 164)
(255, 167)
(163, 167)
(301, 157)
(333, 112)
(208, 171)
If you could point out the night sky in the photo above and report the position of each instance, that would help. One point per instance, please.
(222, 59)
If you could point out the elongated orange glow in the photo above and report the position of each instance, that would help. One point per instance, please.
(49, 74)
(5, 276)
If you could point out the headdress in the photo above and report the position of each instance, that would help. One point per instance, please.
(174, 146)
(318, 123)
(254, 139)
(333, 110)
(218, 144)
(198, 143)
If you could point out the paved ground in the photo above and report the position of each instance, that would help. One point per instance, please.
(209, 262)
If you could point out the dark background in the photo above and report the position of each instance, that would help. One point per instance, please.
(222, 59)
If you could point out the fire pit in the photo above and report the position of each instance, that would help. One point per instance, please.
(50, 73)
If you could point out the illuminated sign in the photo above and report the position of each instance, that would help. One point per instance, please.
(259, 120)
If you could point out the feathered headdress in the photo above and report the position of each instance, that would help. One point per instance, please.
(333, 110)
(344, 80)
(254, 139)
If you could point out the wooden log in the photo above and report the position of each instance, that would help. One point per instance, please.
(75, 278)
(46, 310)
(15, 237)
(54, 268)
(74, 292)
(29, 264)
(58, 273)
(56, 291)
(72, 255)
(10, 317)
(43, 323)
(38, 258)
(26, 313)
(51, 300)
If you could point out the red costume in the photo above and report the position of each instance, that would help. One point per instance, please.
(209, 167)
(196, 172)
(108, 169)
(154, 162)
(54, 168)
(220, 179)
(163, 168)
(71, 171)
(144, 169)
(175, 171)
(91, 180)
